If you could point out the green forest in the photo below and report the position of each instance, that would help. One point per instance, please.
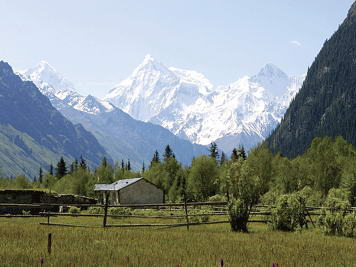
(325, 175)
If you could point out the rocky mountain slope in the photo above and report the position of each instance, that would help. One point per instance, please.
(33, 133)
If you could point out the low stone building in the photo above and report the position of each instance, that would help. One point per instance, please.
(130, 191)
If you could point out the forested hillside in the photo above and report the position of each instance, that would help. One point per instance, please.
(326, 103)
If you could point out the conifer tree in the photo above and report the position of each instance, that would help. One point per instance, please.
(51, 170)
(155, 158)
(40, 176)
(82, 163)
(241, 152)
(168, 153)
(213, 149)
(61, 168)
(128, 165)
(222, 158)
(143, 166)
(122, 165)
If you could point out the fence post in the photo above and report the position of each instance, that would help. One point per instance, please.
(49, 245)
(106, 209)
(186, 211)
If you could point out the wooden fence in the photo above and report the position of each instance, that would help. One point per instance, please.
(218, 209)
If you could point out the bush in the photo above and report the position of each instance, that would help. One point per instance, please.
(26, 212)
(335, 220)
(74, 210)
(289, 212)
(119, 211)
(239, 214)
(349, 225)
(95, 210)
(217, 198)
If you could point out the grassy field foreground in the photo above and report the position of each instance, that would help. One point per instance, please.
(23, 242)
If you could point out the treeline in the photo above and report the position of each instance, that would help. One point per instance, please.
(328, 163)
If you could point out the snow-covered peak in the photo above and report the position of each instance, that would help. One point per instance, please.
(44, 74)
(194, 77)
(186, 103)
(61, 91)
(273, 79)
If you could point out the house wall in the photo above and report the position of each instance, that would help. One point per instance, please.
(141, 192)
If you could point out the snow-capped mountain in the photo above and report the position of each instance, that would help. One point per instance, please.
(186, 103)
(56, 87)
(121, 135)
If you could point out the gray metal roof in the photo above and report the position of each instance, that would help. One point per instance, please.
(116, 186)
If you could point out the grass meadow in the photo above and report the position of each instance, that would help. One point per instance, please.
(23, 242)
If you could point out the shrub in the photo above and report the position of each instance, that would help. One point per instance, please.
(119, 211)
(95, 210)
(217, 198)
(26, 212)
(335, 220)
(349, 225)
(289, 212)
(239, 214)
(74, 210)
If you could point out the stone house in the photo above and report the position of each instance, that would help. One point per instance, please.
(130, 191)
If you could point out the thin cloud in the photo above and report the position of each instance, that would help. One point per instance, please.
(295, 42)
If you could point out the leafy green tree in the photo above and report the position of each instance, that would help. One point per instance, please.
(104, 173)
(203, 177)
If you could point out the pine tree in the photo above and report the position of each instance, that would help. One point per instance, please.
(128, 165)
(155, 158)
(51, 170)
(82, 163)
(241, 152)
(213, 149)
(143, 166)
(40, 176)
(104, 162)
(122, 165)
(61, 168)
(168, 153)
(222, 158)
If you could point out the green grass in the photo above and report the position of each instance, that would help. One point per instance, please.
(23, 242)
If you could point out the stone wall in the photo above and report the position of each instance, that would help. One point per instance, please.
(141, 192)
(34, 196)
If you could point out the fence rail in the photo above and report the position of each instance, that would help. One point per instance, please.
(183, 208)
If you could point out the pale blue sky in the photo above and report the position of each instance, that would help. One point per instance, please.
(96, 44)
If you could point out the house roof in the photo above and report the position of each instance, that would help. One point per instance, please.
(116, 186)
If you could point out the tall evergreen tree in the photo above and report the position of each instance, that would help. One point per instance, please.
(128, 165)
(155, 158)
(122, 165)
(222, 158)
(143, 167)
(82, 163)
(234, 155)
(213, 149)
(168, 153)
(61, 168)
(241, 152)
(40, 176)
(51, 170)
